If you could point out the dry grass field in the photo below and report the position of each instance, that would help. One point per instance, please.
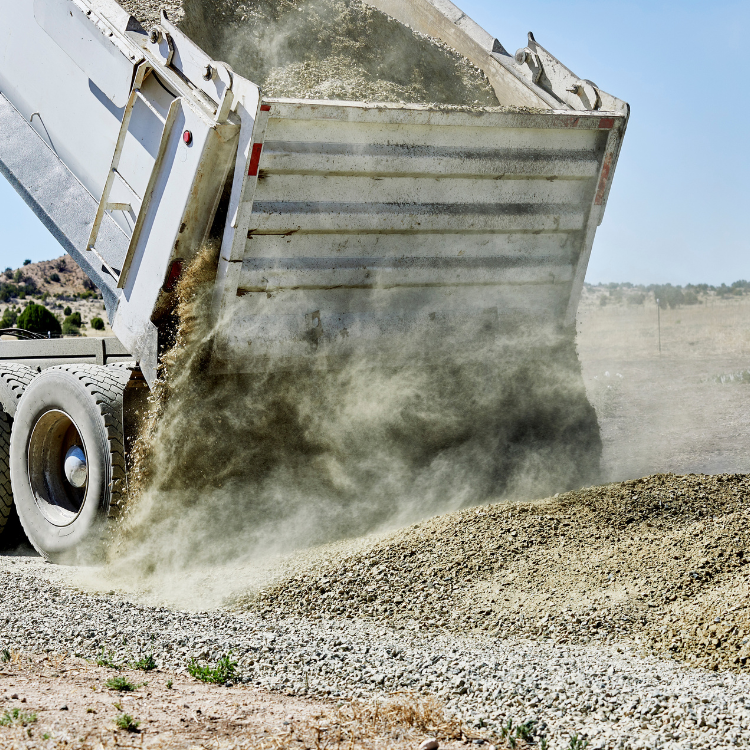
(665, 412)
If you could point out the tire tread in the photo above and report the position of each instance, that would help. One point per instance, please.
(13, 380)
(107, 388)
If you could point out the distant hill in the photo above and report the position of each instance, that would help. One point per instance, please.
(61, 286)
(57, 278)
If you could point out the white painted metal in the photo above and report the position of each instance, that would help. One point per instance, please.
(114, 115)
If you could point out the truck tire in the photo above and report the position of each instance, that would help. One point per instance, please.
(13, 381)
(67, 459)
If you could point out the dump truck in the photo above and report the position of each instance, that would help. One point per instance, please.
(341, 224)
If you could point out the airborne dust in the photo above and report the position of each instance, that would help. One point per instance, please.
(235, 470)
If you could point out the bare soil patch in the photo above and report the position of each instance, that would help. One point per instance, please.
(54, 701)
(666, 412)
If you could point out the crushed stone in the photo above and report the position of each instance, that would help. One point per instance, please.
(608, 695)
(327, 49)
(659, 562)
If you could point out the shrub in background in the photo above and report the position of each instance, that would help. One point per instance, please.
(38, 319)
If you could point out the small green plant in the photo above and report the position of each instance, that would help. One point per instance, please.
(145, 663)
(525, 731)
(225, 670)
(55, 277)
(46, 736)
(127, 722)
(578, 743)
(5, 656)
(27, 262)
(120, 683)
(107, 660)
(16, 717)
(543, 743)
(507, 733)
(97, 324)
(67, 311)
(169, 684)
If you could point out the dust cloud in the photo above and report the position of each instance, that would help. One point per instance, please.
(235, 471)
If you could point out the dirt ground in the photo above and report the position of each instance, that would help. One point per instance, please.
(664, 412)
(55, 702)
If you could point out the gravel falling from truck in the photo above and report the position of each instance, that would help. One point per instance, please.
(233, 470)
(328, 49)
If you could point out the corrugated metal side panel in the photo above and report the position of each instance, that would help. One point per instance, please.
(365, 223)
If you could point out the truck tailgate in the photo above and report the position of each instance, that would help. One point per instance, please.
(365, 220)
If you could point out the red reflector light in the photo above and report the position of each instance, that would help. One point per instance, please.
(173, 276)
(187, 136)
(252, 170)
(265, 107)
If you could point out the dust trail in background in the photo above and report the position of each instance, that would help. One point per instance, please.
(234, 470)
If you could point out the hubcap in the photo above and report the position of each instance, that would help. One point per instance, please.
(76, 470)
(58, 468)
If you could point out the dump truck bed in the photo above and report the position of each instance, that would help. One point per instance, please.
(341, 223)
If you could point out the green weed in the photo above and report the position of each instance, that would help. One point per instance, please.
(127, 722)
(225, 670)
(16, 717)
(120, 683)
(169, 684)
(525, 731)
(145, 663)
(107, 660)
(578, 743)
(5, 656)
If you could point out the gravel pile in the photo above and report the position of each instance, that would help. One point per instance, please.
(148, 12)
(607, 694)
(326, 49)
(661, 561)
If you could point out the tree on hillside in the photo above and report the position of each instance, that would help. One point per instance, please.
(38, 319)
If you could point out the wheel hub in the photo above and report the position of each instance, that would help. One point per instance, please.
(76, 471)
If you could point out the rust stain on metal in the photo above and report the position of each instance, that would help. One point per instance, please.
(606, 123)
(606, 167)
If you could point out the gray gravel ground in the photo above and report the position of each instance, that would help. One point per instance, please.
(606, 693)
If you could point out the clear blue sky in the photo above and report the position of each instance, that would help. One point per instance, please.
(678, 207)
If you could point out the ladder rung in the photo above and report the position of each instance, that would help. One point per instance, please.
(128, 185)
(119, 207)
(150, 106)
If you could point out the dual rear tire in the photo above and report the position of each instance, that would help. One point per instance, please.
(66, 458)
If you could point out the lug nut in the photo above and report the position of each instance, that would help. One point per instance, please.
(521, 55)
(155, 35)
(208, 73)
